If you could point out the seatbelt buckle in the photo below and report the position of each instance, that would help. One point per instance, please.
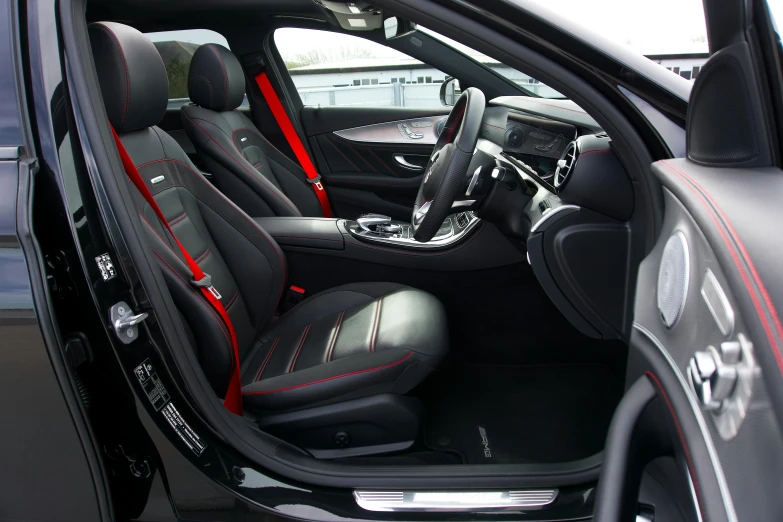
(293, 296)
(206, 282)
(316, 181)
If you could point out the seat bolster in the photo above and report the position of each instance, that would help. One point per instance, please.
(211, 136)
(347, 342)
(352, 377)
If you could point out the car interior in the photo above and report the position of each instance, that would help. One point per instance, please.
(419, 293)
(466, 306)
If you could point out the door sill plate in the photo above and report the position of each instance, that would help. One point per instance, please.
(454, 500)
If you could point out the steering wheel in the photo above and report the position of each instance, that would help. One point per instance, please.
(447, 168)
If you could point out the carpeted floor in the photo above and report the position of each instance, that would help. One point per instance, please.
(500, 414)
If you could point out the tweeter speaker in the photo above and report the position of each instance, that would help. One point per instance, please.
(673, 276)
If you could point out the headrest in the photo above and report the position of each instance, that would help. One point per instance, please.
(216, 80)
(133, 78)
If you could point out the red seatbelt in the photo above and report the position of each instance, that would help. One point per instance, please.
(293, 140)
(233, 400)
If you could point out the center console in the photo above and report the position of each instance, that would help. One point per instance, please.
(464, 242)
(377, 228)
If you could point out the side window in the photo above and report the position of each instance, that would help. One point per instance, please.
(338, 69)
(176, 48)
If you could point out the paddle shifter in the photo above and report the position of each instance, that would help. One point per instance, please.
(378, 224)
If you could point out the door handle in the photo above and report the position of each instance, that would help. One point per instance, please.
(402, 162)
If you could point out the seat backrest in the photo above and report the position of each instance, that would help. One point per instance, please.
(247, 168)
(246, 265)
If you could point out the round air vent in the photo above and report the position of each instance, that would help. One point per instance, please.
(673, 276)
(515, 137)
(566, 164)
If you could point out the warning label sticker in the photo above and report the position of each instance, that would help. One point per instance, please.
(182, 428)
(148, 378)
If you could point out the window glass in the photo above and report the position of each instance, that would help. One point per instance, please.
(671, 33)
(176, 48)
(339, 69)
(528, 84)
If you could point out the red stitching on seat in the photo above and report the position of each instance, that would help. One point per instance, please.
(218, 320)
(208, 85)
(299, 348)
(293, 209)
(232, 300)
(266, 360)
(333, 340)
(330, 378)
(376, 322)
(177, 219)
(225, 75)
(220, 194)
(202, 256)
(681, 435)
(126, 101)
(701, 193)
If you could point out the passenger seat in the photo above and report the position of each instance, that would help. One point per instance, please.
(248, 169)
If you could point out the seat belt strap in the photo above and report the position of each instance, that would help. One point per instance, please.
(233, 400)
(293, 140)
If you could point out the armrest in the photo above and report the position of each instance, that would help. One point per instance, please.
(303, 232)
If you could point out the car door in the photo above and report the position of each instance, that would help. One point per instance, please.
(371, 108)
(706, 349)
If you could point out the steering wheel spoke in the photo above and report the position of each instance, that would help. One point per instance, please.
(443, 187)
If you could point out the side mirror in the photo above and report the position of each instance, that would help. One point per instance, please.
(394, 27)
(450, 91)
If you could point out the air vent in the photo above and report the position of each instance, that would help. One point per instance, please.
(566, 164)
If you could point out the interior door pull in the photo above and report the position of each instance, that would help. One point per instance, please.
(402, 162)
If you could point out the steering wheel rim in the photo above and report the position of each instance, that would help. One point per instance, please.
(448, 165)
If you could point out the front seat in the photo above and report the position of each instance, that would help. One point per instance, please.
(343, 345)
(248, 169)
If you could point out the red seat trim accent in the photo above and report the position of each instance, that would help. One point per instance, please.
(358, 372)
(233, 399)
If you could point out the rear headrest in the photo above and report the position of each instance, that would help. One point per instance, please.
(216, 80)
(133, 78)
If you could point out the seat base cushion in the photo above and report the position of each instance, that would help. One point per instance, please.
(344, 343)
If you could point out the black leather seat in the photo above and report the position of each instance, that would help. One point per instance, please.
(247, 168)
(358, 340)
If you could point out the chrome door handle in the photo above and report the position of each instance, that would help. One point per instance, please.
(402, 162)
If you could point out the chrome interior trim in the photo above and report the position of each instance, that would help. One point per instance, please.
(394, 131)
(711, 451)
(446, 501)
(718, 303)
(473, 181)
(9, 153)
(405, 239)
(402, 162)
(552, 212)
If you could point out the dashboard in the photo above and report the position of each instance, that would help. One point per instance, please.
(558, 187)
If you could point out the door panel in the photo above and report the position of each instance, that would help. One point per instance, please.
(370, 162)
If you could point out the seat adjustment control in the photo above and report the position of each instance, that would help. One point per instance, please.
(722, 379)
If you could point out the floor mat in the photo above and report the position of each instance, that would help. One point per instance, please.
(517, 414)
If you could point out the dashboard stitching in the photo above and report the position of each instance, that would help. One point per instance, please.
(693, 185)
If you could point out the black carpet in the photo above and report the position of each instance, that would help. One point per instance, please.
(500, 414)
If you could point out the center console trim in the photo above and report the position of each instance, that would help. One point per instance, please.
(441, 241)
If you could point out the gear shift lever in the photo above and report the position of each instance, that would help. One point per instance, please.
(365, 221)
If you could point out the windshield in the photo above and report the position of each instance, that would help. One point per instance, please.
(526, 82)
(671, 33)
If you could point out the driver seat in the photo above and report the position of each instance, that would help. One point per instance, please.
(248, 169)
(349, 343)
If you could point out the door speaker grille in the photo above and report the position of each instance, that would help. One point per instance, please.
(673, 276)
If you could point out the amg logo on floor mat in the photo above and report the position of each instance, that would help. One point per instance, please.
(485, 442)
